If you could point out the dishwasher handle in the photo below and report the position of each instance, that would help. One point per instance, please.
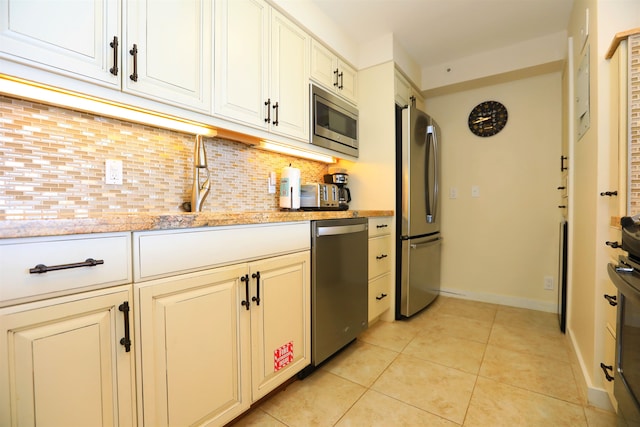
(340, 229)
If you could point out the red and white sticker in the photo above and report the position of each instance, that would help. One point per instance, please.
(282, 356)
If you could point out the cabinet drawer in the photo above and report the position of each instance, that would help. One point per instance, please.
(379, 256)
(163, 253)
(609, 360)
(18, 256)
(379, 295)
(380, 226)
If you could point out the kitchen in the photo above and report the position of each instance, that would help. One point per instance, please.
(51, 186)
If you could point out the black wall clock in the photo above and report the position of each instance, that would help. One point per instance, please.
(488, 118)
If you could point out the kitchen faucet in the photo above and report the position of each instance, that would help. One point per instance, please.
(200, 191)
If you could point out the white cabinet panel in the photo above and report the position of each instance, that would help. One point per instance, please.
(173, 42)
(333, 73)
(68, 37)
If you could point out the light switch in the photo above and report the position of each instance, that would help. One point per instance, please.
(475, 191)
(453, 193)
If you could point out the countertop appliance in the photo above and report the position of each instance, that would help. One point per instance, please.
(626, 277)
(339, 287)
(340, 180)
(319, 197)
(418, 237)
(334, 122)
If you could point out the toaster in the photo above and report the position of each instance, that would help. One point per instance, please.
(319, 196)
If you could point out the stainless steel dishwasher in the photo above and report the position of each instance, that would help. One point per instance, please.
(339, 305)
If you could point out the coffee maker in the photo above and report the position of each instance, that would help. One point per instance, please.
(344, 195)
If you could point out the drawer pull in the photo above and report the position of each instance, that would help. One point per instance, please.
(41, 268)
(613, 300)
(126, 341)
(614, 245)
(134, 52)
(379, 257)
(382, 225)
(381, 296)
(606, 369)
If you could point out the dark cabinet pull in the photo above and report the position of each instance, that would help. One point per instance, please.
(335, 73)
(341, 76)
(245, 302)
(613, 300)
(381, 226)
(562, 206)
(561, 188)
(381, 296)
(379, 257)
(606, 369)
(256, 299)
(126, 341)
(114, 44)
(267, 104)
(277, 108)
(562, 166)
(41, 268)
(134, 53)
(609, 193)
(614, 245)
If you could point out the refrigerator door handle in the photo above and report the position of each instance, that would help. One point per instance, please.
(427, 243)
(431, 202)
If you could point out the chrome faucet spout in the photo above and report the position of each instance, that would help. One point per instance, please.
(200, 191)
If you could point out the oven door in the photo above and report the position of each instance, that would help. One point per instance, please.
(626, 387)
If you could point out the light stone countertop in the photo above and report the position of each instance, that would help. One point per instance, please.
(107, 223)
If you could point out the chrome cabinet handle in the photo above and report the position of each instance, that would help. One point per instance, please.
(134, 52)
(114, 44)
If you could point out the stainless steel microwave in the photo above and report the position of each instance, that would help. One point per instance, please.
(334, 122)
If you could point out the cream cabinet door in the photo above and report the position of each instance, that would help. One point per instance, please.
(334, 74)
(168, 51)
(241, 60)
(280, 320)
(62, 362)
(68, 37)
(194, 335)
(289, 88)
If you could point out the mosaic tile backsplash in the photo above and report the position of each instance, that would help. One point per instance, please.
(52, 164)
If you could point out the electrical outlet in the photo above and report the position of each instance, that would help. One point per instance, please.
(113, 172)
(548, 283)
(453, 193)
(475, 191)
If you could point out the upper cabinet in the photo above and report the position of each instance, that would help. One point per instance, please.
(261, 71)
(334, 74)
(79, 39)
(161, 51)
(406, 94)
(168, 50)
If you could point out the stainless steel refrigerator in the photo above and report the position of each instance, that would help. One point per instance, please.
(418, 239)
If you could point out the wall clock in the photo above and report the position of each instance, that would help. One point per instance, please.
(488, 118)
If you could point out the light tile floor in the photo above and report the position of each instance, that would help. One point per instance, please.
(457, 363)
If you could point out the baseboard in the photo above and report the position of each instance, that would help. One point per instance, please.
(596, 396)
(549, 307)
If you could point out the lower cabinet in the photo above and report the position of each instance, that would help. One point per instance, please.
(215, 341)
(63, 364)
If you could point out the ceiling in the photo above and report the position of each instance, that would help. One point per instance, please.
(434, 32)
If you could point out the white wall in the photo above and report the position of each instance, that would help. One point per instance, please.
(500, 246)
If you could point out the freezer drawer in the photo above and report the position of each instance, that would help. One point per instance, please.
(420, 279)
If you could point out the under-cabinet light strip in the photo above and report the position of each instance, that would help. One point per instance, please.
(293, 151)
(25, 89)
